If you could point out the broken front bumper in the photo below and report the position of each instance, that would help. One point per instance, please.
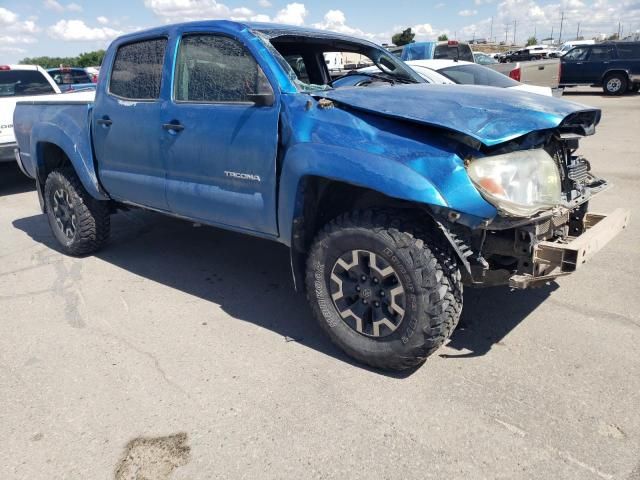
(555, 259)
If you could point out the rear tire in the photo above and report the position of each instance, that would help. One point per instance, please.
(79, 222)
(423, 299)
(615, 84)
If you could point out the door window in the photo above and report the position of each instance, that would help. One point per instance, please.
(577, 54)
(600, 54)
(137, 70)
(214, 69)
(629, 50)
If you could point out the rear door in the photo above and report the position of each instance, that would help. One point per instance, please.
(598, 62)
(221, 147)
(126, 125)
(574, 68)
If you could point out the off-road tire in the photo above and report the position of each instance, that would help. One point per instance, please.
(425, 265)
(615, 79)
(92, 220)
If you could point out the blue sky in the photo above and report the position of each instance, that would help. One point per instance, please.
(68, 27)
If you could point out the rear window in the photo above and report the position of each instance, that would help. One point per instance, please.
(18, 83)
(453, 52)
(629, 51)
(69, 77)
(477, 75)
(137, 70)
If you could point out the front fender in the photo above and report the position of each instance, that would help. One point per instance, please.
(440, 182)
(78, 151)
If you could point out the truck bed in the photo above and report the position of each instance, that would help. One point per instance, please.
(545, 73)
(59, 118)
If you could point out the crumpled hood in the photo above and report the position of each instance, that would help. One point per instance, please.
(489, 115)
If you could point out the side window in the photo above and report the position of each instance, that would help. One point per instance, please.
(629, 51)
(598, 54)
(214, 68)
(577, 54)
(80, 77)
(137, 70)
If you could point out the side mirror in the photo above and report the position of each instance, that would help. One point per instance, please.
(262, 99)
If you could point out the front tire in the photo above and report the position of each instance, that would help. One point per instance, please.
(79, 222)
(385, 293)
(615, 84)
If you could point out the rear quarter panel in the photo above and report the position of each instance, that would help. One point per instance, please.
(64, 123)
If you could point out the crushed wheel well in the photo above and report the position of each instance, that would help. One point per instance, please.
(321, 200)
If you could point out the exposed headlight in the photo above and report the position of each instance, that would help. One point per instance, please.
(519, 183)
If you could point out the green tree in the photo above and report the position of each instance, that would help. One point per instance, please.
(532, 41)
(443, 38)
(88, 59)
(403, 38)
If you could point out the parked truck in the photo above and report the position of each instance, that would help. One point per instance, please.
(391, 194)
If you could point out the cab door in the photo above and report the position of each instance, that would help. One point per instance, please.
(574, 68)
(126, 133)
(221, 135)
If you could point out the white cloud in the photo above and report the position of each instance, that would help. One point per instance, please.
(102, 20)
(12, 50)
(74, 7)
(16, 39)
(467, 13)
(175, 10)
(19, 32)
(264, 3)
(7, 17)
(78, 31)
(292, 14)
(53, 5)
(261, 18)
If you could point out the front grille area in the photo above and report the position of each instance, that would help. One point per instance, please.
(578, 170)
(574, 170)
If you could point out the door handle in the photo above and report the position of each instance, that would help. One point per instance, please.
(106, 121)
(541, 67)
(175, 127)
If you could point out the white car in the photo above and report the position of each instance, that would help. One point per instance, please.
(467, 73)
(19, 83)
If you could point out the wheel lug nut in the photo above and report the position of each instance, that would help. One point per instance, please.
(377, 304)
(382, 294)
(363, 278)
(365, 302)
(375, 280)
(358, 288)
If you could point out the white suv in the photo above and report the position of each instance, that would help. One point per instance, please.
(18, 82)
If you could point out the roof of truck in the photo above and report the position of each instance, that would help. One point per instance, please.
(269, 29)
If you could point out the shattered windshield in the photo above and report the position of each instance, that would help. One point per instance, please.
(313, 63)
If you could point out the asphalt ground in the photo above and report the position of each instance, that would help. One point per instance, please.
(183, 353)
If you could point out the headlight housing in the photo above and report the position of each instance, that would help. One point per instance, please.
(519, 183)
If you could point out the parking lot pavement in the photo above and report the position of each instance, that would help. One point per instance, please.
(183, 353)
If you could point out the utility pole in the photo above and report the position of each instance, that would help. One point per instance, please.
(561, 22)
(551, 34)
(491, 31)
(618, 31)
(514, 32)
(506, 34)
(578, 32)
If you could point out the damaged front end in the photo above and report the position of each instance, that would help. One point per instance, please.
(541, 231)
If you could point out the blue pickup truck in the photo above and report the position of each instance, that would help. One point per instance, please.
(391, 193)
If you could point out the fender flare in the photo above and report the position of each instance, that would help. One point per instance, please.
(615, 70)
(361, 169)
(80, 155)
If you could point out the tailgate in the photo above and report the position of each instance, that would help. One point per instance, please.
(7, 105)
(545, 73)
